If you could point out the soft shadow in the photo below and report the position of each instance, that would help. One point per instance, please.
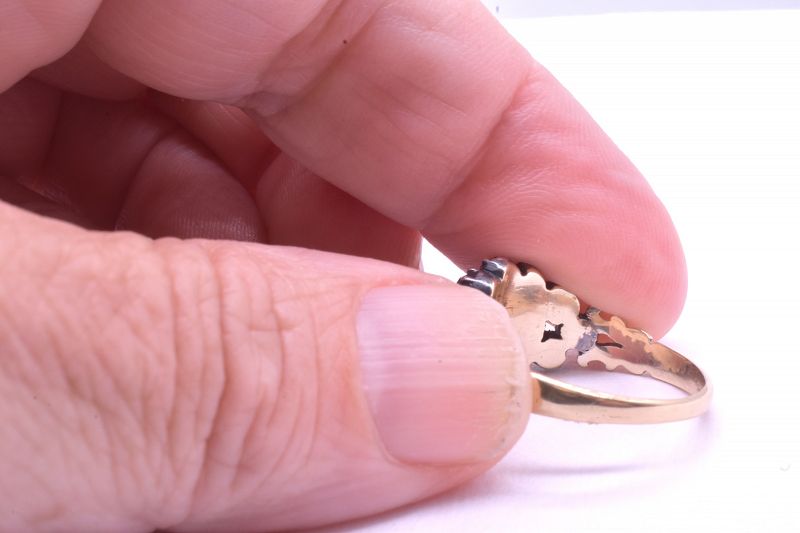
(521, 477)
(489, 483)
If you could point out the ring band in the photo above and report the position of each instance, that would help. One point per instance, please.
(554, 330)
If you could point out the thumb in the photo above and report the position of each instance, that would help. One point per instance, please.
(201, 385)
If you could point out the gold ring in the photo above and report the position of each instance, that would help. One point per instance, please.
(554, 329)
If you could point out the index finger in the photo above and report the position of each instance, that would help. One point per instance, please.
(430, 113)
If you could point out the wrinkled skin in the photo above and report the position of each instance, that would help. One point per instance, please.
(173, 375)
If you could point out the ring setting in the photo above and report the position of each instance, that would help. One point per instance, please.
(554, 329)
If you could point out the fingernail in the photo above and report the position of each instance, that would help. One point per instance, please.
(443, 372)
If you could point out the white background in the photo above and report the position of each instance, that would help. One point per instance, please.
(707, 104)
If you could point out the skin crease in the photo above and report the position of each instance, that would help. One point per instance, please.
(171, 375)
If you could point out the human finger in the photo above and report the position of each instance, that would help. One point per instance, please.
(210, 385)
(432, 115)
(173, 167)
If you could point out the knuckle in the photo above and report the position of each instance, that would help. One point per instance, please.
(264, 425)
(90, 361)
(189, 375)
(312, 42)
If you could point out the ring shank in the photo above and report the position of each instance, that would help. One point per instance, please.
(553, 329)
(562, 400)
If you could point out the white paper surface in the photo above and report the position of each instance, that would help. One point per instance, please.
(707, 104)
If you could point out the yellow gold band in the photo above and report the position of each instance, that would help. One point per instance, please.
(554, 330)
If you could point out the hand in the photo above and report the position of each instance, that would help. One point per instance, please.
(204, 383)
